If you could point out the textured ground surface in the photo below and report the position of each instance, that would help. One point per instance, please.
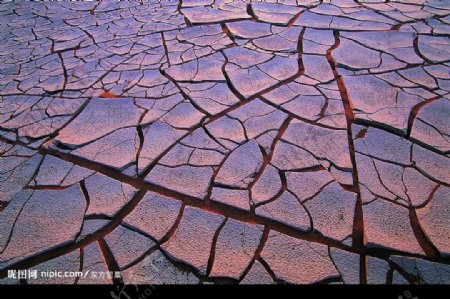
(227, 142)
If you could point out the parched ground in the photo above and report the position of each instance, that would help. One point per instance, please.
(226, 141)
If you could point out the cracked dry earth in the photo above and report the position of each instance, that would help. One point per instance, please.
(226, 141)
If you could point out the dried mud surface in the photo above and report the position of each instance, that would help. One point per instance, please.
(251, 142)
